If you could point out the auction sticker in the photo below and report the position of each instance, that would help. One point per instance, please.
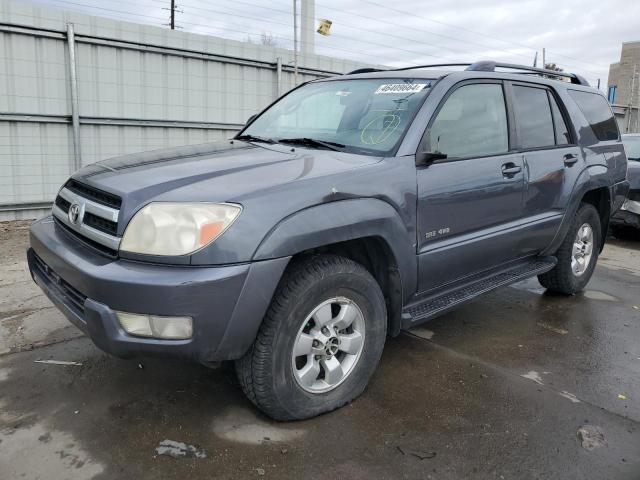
(401, 88)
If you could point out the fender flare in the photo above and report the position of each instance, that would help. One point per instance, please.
(341, 221)
(591, 178)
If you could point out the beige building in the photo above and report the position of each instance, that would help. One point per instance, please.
(624, 87)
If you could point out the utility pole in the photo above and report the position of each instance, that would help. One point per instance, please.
(544, 57)
(307, 26)
(295, 42)
(172, 15)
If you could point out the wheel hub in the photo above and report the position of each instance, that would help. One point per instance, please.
(582, 250)
(331, 347)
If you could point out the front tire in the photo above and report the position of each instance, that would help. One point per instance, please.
(320, 342)
(577, 255)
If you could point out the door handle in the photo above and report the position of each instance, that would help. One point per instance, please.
(510, 169)
(570, 159)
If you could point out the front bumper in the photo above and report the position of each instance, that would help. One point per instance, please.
(227, 303)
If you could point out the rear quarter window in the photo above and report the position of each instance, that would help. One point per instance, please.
(598, 113)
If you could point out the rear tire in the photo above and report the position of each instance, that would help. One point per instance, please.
(319, 294)
(577, 255)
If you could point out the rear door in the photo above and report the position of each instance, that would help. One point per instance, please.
(470, 203)
(551, 163)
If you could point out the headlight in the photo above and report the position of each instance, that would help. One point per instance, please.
(177, 228)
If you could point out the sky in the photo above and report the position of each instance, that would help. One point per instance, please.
(581, 36)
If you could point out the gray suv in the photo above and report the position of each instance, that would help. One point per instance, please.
(351, 208)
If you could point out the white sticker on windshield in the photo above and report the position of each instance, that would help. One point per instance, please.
(401, 88)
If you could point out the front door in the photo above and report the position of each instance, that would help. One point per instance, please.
(470, 203)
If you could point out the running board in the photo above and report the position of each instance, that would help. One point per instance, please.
(440, 303)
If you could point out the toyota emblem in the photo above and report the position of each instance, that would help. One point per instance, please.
(74, 213)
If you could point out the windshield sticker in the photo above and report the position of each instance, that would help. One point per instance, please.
(401, 88)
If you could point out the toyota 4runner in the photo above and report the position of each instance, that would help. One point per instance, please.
(351, 208)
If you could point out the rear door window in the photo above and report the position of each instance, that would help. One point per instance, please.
(533, 115)
(598, 113)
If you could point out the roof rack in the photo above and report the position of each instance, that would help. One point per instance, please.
(487, 66)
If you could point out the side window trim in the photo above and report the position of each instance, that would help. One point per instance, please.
(424, 141)
(562, 108)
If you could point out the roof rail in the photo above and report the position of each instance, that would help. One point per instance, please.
(364, 70)
(433, 65)
(489, 66)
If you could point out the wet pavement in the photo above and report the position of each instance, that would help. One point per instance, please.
(518, 384)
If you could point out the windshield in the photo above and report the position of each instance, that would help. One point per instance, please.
(632, 147)
(359, 116)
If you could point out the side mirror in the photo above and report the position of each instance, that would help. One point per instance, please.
(427, 158)
(251, 118)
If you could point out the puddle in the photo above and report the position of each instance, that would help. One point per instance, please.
(596, 295)
(239, 425)
(58, 455)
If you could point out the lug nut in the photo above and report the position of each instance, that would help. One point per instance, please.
(325, 330)
(315, 343)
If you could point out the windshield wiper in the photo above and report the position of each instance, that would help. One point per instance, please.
(312, 142)
(253, 138)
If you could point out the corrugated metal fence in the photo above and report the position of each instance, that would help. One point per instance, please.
(132, 88)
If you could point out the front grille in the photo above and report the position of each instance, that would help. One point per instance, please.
(89, 214)
(100, 223)
(98, 247)
(74, 298)
(99, 196)
(62, 204)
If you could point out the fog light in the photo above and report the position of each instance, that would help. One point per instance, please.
(174, 328)
(168, 328)
(135, 324)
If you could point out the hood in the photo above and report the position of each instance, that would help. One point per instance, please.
(216, 172)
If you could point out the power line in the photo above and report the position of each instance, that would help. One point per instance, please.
(386, 34)
(206, 28)
(372, 2)
(377, 56)
(353, 39)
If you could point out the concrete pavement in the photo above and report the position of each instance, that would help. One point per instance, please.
(517, 384)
